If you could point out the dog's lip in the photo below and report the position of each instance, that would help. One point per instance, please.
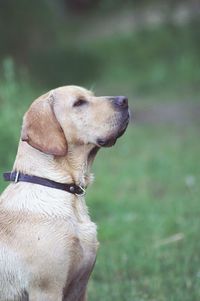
(108, 142)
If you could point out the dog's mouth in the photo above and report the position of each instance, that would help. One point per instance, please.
(108, 142)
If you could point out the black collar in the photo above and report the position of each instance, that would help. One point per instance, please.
(19, 177)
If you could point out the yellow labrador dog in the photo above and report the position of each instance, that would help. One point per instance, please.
(48, 243)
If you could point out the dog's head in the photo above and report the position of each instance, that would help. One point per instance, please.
(74, 115)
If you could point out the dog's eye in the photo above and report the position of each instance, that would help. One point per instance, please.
(80, 102)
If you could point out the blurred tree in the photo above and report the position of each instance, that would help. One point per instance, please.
(48, 40)
(81, 5)
(58, 66)
(25, 25)
(35, 36)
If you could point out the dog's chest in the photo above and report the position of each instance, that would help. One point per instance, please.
(84, 245)
(77, 243)
(58, 252)
(83, 250)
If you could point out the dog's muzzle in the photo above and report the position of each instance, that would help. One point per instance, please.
(120, 103)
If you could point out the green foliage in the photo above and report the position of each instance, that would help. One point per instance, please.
(41, 44)
(58, 66)
(25, 25)
(52, 45)
(154, 60)
(14, 99)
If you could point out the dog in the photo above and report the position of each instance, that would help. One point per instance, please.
(48, 244)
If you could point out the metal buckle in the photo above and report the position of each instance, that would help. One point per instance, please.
(83, 191)
(16, 177)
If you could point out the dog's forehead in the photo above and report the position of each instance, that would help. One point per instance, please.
(72, 92)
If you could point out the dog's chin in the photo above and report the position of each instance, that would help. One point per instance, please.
(108, 142)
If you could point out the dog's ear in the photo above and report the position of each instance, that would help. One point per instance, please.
(42, 130)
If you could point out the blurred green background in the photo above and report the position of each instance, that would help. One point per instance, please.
(146, 196)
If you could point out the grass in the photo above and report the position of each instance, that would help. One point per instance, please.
(147, 190)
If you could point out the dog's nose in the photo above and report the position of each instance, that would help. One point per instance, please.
(121, 101)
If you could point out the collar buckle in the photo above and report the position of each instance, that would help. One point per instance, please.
(16, 177)
(81, 191)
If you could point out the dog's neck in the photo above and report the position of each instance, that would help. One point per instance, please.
(72, 168)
